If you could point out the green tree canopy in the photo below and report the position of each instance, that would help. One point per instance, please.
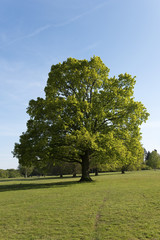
(84, 114)
(153, 160)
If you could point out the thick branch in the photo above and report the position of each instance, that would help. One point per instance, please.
(70, 161)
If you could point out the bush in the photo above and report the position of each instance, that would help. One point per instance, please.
(3, 173)
(145, 167)
(12, 173)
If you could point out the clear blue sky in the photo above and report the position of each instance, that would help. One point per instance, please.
(34, 34)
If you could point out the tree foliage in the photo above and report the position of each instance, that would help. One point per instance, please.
(9, 173)
(153, 159)
(25, 171)
(85, 116)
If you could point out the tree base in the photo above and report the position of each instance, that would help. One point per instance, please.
(85, 179)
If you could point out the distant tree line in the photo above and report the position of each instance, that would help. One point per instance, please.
(50, 170)
(151, 160)
(9, 173)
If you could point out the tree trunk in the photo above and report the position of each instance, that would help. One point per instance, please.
(74, 174)
(26, 174)
(74, 171)
(96, 171)
(85, 168)
(123, 170)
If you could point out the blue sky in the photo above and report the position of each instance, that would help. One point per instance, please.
(35, 34)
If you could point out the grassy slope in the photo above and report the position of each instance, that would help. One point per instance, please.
(114, 206)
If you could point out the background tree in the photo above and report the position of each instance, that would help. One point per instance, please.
(153, 160)
(4, 173)
(148, 154)
(83, 113)
(13, 173)
(145, 154)
(25, 171)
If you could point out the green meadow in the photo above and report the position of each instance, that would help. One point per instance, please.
(114, 206)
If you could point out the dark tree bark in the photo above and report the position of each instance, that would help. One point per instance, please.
(26, 174)
(123, 170)
(85, 168)
(96, 171)
(74, 171)
(74, 174)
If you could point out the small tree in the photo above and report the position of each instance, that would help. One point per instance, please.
(25, 171)
(153, 160)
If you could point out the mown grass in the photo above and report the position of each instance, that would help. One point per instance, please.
(113, 206)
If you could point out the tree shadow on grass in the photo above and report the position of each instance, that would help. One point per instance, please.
(26, 186)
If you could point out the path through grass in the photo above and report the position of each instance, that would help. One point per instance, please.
(114, 206)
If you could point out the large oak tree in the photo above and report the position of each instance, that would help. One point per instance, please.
(84, 116)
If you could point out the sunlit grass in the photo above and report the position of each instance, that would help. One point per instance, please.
(114, 206)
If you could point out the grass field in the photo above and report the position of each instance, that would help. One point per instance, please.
(114, 206)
